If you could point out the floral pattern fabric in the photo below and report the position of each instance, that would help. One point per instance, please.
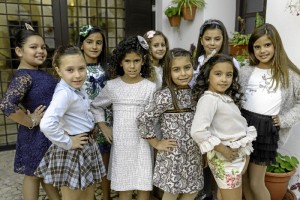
(28, 88)
(95, 81)
(178, 171)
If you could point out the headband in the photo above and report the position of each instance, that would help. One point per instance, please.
(208, 22)
(143, 42)
(84, 30)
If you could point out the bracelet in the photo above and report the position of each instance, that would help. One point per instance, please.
(33, 123)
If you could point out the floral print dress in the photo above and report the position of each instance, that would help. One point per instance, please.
(178, 171)
(95, 81)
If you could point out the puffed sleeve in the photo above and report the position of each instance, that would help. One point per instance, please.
(200, 130)
(146, 121)
(102, 101)
(17, 89)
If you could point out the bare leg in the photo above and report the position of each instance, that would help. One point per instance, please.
(51, 191)
(188, 196)
(257, 182)
(169, 196)
(231, 194)
(143, 195)
(125, 195)
(105, 183)
(69, 194)
(31, 187)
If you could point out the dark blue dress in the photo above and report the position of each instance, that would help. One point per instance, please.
(28, 89)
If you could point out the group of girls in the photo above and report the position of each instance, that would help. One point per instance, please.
(149, 97)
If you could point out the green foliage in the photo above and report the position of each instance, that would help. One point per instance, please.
(239, 38)
(172, 11)
(283, 164)
(259, 20)
(198, 3)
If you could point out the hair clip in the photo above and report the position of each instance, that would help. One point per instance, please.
(143, 42)
(209, 56)
(28, 27)
(84, 30)
(150, 34)
(208, 22)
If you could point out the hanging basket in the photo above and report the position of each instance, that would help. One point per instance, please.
(175, 20)
(188, 13)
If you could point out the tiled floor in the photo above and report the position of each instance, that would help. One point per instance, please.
(11, 183)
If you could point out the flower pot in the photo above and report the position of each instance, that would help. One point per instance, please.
(277, 184)
(187, 13)
(236, 50)
(174, 20)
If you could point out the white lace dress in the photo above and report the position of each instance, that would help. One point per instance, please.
(131, 159)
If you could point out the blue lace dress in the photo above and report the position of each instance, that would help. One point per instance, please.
(29, 89)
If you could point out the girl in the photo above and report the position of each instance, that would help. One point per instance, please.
(131, 160)
(93, 45)
(176, 150)
(212, 39)
(272, 94)
(73, 161)
(158, 46)
(218, 126)
(32, 89)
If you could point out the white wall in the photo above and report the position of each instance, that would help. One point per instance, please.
(288, 26)
(188, 31)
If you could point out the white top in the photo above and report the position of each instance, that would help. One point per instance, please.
(218, 120)
(159, 76)
(261, 97)
(131, 160)
(68, 111)
(197, 71)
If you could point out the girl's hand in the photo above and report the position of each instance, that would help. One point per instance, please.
(79, 140)
(107, 131)
(276, 120)
(166, 145)
(37, 114)
(229, 153)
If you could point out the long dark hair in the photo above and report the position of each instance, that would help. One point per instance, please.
(202, 83)
(86, 31)
(209, 25)
(167, 78)
(128, 45)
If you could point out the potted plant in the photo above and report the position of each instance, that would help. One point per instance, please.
(278, 175)
(173, 14)
(188, 7)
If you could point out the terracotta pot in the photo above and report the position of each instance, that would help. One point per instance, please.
(187, 13)
(174, 20)
(277, 184)
(236, 50)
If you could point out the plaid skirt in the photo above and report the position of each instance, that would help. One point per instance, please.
(75, 168)
(266, 144)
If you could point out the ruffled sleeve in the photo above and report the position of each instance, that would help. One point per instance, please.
(146, 121)
(17, 89)
(200, 130)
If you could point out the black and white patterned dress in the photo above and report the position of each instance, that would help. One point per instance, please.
(178, 171)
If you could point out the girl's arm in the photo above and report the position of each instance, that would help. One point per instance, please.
(200, 130)
(106, 130)
(288, 118)
(102, 101)
(50, 125)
